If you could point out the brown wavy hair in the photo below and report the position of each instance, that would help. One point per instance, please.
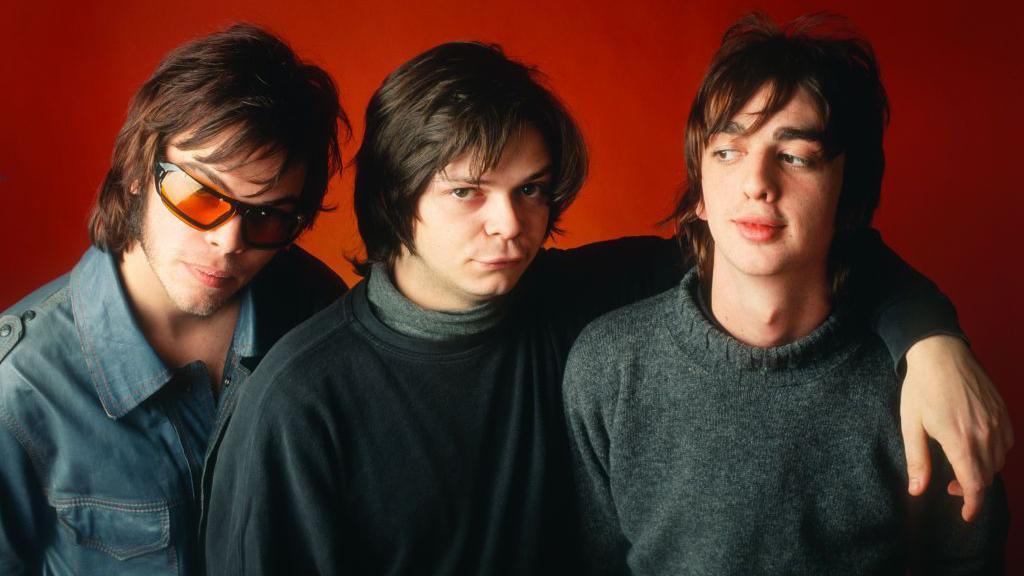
(455, 98)
(821, 54)
(243, 81)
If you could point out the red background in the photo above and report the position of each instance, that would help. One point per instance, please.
(951, 203)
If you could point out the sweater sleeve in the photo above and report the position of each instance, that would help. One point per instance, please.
(942, 543)
(589, 405)
(273, 507)
(901, 304)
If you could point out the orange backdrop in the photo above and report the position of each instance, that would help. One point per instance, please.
(628, 71)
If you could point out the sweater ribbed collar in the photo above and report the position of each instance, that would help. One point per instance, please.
(400, 314)
(798, 362)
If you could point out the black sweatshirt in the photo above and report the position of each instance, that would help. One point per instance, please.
(354, 449)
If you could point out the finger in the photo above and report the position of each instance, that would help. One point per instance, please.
(973, 497)
(915, 443)
(954, 489)
(970, 478)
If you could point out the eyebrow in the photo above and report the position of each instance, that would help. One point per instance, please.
(782, 134)
(224, 189)
(786, 133)
(466, 179)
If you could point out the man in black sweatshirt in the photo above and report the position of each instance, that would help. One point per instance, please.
(745, 422)
(416, 427)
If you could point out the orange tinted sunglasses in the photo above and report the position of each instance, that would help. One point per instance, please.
(204, 208)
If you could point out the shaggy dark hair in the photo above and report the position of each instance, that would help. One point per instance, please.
(822, 56)
(243, 81)
(456, 98)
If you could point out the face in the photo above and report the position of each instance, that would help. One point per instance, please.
(202, 270)
(770, 196)
(474, 237)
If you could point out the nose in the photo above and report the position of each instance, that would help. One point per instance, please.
(228, 236)
(502, 217)
(760, 178)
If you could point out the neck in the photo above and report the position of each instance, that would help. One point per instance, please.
(177, 337)
(403, 316)
(768, 311)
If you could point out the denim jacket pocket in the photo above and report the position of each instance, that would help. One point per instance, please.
(123, 530)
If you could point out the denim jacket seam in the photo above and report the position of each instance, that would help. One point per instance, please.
(121, 505)
(23, 438)
(98, 376)
(92, 361)
(165, 526)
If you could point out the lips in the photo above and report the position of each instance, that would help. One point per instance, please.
(759, 228)
(499, 263)
(212, 277)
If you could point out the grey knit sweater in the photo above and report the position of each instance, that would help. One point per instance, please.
(697, 454)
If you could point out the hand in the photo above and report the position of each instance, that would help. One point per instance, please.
(947, 395)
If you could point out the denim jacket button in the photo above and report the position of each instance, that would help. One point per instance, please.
(28, 315)
(5, 331)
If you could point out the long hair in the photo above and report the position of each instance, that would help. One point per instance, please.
(242, 81)
(821, 55)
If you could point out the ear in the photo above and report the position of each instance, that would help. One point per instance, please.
(701, 212)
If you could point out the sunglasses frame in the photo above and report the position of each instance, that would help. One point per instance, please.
(160, 169)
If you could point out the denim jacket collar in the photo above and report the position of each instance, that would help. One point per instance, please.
(124, 368)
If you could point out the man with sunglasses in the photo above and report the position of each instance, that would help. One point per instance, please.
(114, 377)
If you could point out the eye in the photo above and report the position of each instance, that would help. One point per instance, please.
(463, 193)
(534, 190)
(794, 160)
(726, 154)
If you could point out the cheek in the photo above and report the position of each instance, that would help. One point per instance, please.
(159, 225)
(714, 182)
(538, 221)
(711, 202)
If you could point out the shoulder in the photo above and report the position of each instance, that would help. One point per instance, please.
(608, 346)
(628, 328)
(291, 400)
(39, 356)
(35, 320)
(304, 357)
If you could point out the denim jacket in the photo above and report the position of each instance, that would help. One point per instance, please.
(102, 446)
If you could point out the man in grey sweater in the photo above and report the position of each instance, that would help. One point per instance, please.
(746, 421)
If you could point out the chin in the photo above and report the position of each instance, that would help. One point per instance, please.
(200, 304)
(490, 290)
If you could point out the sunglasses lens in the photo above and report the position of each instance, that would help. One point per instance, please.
(271, 228)
(192, 199)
